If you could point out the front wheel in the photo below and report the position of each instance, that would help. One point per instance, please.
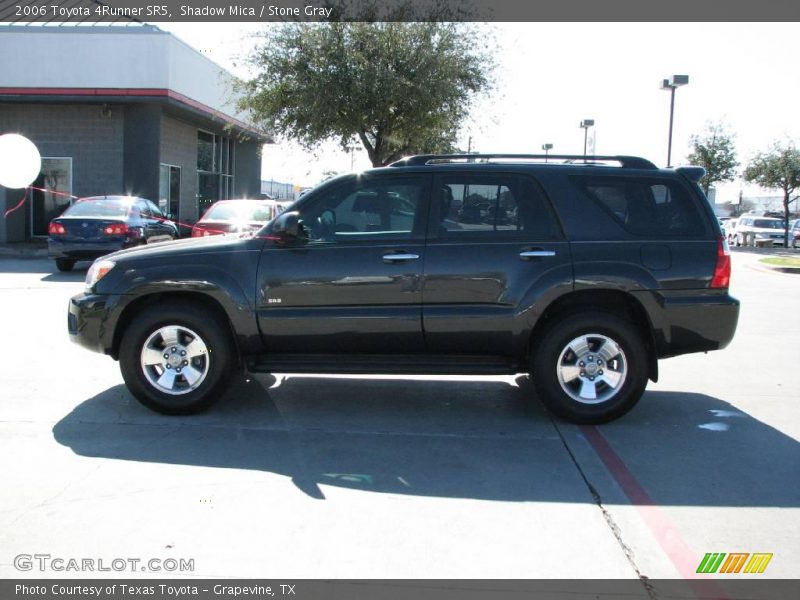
(590, 367)
(177, 358)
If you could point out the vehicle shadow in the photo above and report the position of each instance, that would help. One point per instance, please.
(44, 266)
(484, 439)
(77, 274)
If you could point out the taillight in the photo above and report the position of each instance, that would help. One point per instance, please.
(56, 229)
(116, 229)
(722, 270)
(201, 232)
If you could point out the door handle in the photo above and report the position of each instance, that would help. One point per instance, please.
(538, 253)
(399, 257)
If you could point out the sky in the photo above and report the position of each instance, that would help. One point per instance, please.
(550, 76)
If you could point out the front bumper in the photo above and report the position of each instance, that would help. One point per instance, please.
(88, 322)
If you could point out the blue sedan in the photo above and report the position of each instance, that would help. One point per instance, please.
(96, 226)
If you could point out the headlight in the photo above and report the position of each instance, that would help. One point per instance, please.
(97, 271)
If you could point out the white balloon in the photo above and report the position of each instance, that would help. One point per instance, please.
(20, 161)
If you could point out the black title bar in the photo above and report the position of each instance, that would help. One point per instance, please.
(122, 11)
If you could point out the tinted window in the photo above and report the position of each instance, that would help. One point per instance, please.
(768, 223)
(644, 207)
(493, 206)
(143, 209)
(364, 210)
(154, 210)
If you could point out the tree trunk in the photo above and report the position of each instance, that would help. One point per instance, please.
(786, 219)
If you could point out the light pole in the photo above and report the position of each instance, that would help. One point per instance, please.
(585, 124)
(672, 84)
(546, 148)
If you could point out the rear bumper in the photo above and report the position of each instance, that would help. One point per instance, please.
(85, 250)
(690, 322)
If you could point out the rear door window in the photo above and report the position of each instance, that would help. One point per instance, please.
(492, 206)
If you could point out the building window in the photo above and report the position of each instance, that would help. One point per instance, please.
(215, 165)
(205, 151)
(51, 193)
(169, 190)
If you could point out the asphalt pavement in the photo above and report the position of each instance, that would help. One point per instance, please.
(399, 477)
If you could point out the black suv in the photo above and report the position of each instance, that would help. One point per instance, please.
(580, 271)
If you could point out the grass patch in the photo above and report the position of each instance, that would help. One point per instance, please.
(782, 261)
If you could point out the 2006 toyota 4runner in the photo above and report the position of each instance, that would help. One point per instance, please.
(580, 271)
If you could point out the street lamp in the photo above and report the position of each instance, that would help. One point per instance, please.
(546, 148)
(585, 124)
(351, 149)
(672, 84)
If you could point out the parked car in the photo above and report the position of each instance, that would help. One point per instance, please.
(759, 231)
(98, 225)
(794, 234)
(594, 273)
(728, 228)
(237, 216)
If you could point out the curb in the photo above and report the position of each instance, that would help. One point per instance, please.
(779, 269)
(23, 252)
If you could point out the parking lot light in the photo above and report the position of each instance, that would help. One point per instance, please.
(585, 124)
(672, 84)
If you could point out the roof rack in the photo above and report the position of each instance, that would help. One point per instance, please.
(626, 162)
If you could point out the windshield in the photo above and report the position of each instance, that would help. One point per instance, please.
(236, 211)
(768, 224)
(114, 209)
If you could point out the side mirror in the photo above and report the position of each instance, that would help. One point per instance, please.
(287, 226)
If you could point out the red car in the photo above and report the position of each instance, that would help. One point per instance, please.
(237, 216)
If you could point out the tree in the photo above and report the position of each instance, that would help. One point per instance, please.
(714, 150)
(399, 88)
(778, 168)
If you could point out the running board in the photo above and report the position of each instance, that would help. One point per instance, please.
(417, 364)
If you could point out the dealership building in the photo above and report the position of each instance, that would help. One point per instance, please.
(123, 109)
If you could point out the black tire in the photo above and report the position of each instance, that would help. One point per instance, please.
(547, 358)
(64, 264)
(218, 364)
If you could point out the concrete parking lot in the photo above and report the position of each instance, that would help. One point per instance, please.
(400, 477)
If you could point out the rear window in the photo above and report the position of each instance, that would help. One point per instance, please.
(644, 206)
(114, 209)
(229, 211)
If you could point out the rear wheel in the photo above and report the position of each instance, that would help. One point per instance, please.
(590, 367)
(64, 264)
(177, 358)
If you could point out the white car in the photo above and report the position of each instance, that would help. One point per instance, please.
(758, 231)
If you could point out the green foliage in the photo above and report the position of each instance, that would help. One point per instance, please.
(400, 88)
(714, 150)
(778, 168)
